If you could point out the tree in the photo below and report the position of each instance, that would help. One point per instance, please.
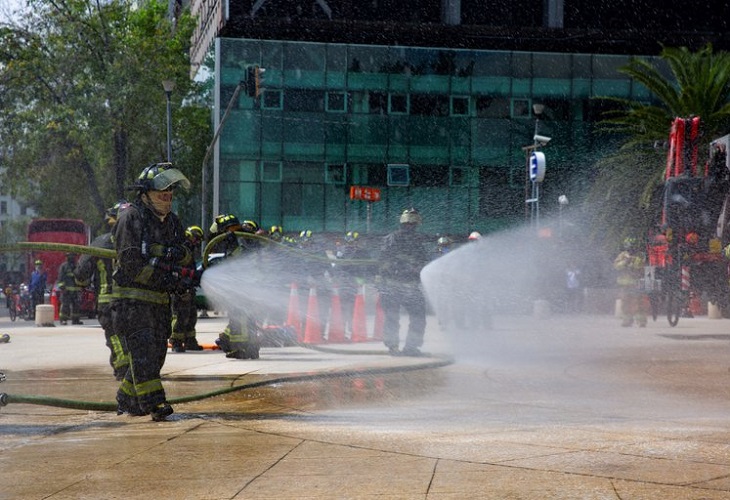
(625, 195)
(83, 106)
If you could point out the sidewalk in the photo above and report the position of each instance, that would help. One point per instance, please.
(563, 407)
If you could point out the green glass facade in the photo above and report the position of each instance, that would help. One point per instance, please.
(330, 116)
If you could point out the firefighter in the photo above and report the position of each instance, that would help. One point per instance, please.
(350, 277)
(184, 309)
(444, 245)
(225, 224)
(239, 340)
(152, 262)
(630, 264)
(70, 292)
(402, 256)
(276, 233)
(99, 271)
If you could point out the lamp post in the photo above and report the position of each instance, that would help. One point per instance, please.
(537, 110)
(169, 86)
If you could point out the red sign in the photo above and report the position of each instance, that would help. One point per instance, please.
(364, 193)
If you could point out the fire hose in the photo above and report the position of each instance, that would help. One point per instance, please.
(435, 362)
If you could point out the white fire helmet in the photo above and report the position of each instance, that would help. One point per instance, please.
(475, 236)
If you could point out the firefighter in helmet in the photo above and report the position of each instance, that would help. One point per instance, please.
(239, 340)
(224, 224)
(276, 233)
(184, 310)
(98, 271)
(444, 245)
(153, 262)
(70, 292)
(402, 256)
(630, 264)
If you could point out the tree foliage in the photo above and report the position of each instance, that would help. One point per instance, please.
(682, 83)
(83, 108)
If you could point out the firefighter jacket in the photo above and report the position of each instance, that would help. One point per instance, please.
(630, 267)
(151, 255)
(98, 271)
(67, 278)
(402, 256)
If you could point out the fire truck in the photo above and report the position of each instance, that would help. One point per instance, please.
(687, 264)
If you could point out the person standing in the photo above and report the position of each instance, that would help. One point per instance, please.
(152, 262)
(239, 339)
(573, 289)
(37, 285)
(630, 266)
(98, 270)
(402, 256)
(184, 309)
(70, 292)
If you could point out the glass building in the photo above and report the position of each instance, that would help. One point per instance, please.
(447, 131)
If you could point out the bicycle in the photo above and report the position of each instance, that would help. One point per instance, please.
(13, 304)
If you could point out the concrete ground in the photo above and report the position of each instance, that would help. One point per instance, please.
(562, 407)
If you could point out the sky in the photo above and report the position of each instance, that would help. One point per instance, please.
(8, 6)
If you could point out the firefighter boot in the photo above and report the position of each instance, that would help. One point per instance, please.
(161, 412)
(177, 345)
(191, 344)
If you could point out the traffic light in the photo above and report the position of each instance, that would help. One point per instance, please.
(254, 80)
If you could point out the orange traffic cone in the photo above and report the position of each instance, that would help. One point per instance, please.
(312, 327)
(292, 318)
(379, 320)
(695, 306)
(359, 321)
(336, 331)
(55, 304)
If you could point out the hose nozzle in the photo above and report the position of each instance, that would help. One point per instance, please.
(3, 399)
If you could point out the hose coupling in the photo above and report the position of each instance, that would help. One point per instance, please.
(3, 399)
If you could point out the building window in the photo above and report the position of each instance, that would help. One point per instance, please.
(337, 102)
(429, 105)
(272, 99)
(378, 103)
(398, 175)
(492, 107)
(304, 100)
(398, 104)
(521, 108)
(335, 174)
(271, 171)
(429, 176)
(458, 176)
(3, 207)
(291, 199)
(460, 105)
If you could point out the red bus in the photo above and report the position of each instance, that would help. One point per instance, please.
(72, 231)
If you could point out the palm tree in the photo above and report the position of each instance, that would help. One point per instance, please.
(625, 193)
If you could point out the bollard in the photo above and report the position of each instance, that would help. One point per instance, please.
(713, 311)
(44, 315)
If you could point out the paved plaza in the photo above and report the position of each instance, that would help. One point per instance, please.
(563, 407)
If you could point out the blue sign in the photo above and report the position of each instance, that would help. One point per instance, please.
(537, 166)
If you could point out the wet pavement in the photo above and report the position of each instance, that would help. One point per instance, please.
(557, 407)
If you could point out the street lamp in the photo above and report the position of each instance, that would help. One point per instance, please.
(537, 110)
(169, 86)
